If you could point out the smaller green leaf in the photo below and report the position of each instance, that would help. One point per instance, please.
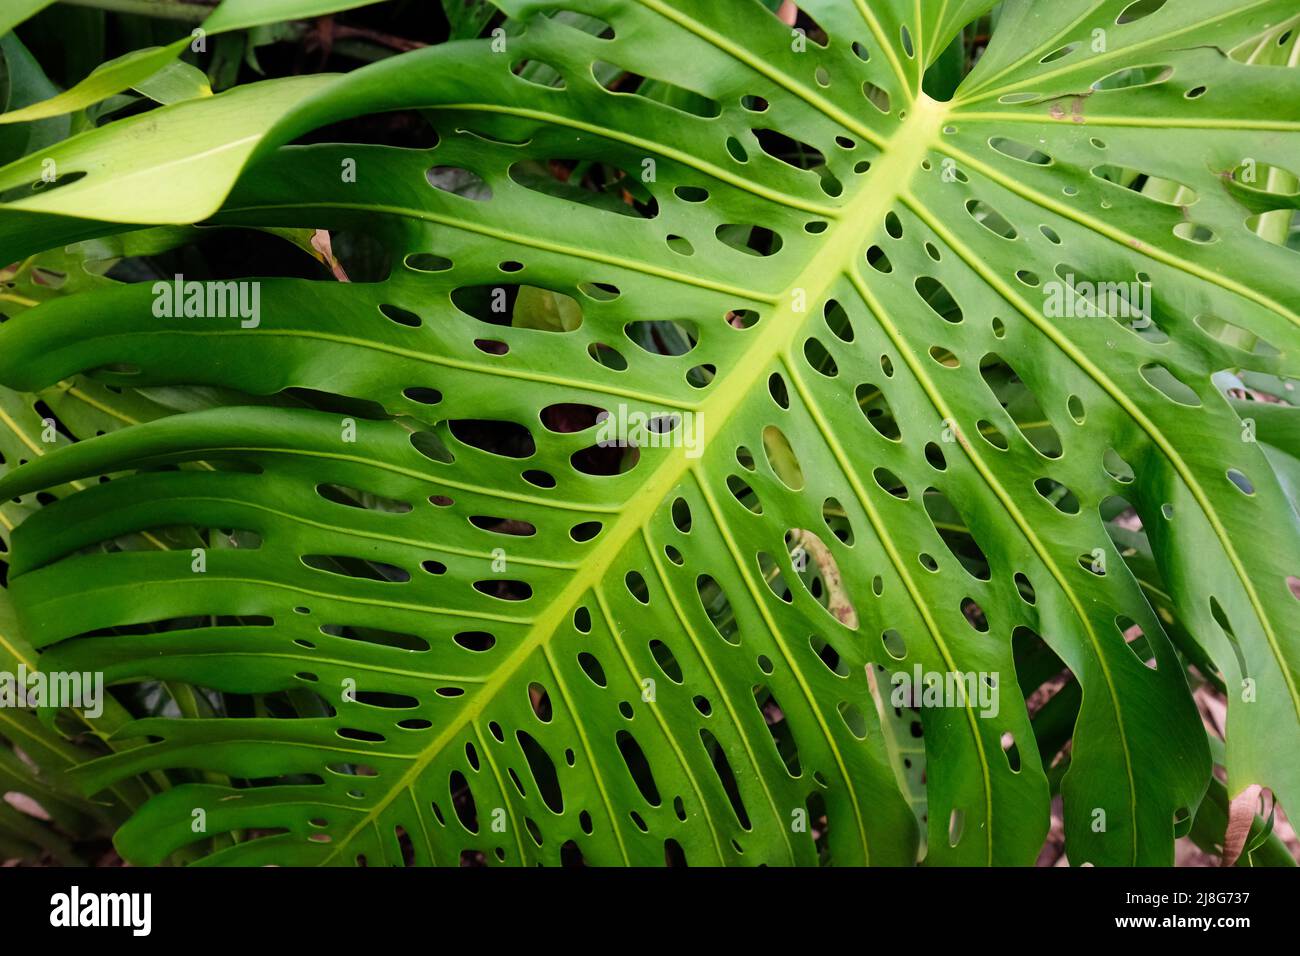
(175, 83)
(206, 141)
(130, 70)
(139, 67)
(241, 14)
(227, 57)
(546, 310)
(468, 18)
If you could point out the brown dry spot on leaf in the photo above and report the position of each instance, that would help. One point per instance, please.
(837, 598)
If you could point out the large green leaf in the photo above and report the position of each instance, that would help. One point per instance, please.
(36, 754)
(476, 607)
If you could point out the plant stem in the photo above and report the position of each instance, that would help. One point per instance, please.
(164, 9)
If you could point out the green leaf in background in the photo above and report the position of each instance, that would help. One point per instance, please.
(242, 14)
(154, 68)
(16, 11)
(175, 83)
(858, 438)
(129, 70)
(468, 18)
(21, 83)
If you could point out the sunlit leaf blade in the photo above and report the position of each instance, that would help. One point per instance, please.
(172, 165)
(131, 69)
(242, 14)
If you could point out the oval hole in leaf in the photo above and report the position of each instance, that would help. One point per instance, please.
(781, 456)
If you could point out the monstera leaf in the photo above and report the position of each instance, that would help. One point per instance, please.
(719, 380)
(49, 811)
